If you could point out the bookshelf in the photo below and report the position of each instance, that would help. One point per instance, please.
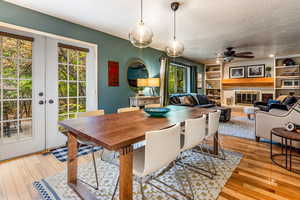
(213, 82)
(287, 77)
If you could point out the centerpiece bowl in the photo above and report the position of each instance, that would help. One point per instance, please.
(157, 112)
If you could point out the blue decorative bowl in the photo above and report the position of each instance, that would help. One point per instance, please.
(157, 112)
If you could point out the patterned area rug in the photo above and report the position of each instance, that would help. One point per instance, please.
(239, 127)
(56, 188)
(61, 154)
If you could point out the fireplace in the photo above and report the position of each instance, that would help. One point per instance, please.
(246, 97)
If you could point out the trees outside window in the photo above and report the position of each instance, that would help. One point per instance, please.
(177, 79)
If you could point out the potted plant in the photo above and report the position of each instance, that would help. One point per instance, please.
(268, 71)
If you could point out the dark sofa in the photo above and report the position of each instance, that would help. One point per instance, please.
(286, 104)
(201, 101)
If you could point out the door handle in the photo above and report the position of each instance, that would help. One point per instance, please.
(41, 102)
(51, 101)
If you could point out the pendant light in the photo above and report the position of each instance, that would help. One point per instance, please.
(141, 35)
(175, 48)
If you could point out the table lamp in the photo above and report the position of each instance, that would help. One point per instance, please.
(153, 83)
(142, 82)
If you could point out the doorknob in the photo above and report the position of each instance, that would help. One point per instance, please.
(41, 102)
(51, 101)
(41, 94)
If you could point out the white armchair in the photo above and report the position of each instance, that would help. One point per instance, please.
(266, 121)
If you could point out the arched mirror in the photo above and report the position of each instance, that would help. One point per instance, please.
(136, 70)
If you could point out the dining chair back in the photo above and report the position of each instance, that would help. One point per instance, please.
(90, 113)
(162, 148)
(194, 132)
(213, 122)
(153, 106)
(128, 109)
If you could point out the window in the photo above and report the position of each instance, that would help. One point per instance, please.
(177, 79)
(16, 87)
(71, 82)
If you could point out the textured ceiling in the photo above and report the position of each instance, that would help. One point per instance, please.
(204, 26)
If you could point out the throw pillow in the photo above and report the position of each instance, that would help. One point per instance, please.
(174, 100)
(281, 98)
(272, 102)
(188, 100)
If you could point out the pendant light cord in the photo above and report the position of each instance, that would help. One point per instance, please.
(142, 11)
(174, 25)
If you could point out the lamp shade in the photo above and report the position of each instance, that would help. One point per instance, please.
(142, 82)
(153, 82)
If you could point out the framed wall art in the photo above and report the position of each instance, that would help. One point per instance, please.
(113, 73)
(256, 71)
(237, 72)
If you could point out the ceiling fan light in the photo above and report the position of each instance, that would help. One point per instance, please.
(141, 35)
(175, 48)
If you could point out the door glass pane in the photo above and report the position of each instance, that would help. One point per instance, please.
(16, 89)
(9, 68)
(72, 84)
(25, 128)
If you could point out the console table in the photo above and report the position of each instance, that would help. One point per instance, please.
(139, 101)
(286, 148)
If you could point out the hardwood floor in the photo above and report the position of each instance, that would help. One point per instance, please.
(255, 177)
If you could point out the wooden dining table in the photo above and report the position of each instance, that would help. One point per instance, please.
(118, 132)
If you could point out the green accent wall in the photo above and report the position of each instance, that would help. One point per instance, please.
(109, 48)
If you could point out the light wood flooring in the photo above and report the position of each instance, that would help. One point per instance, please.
(255, 177)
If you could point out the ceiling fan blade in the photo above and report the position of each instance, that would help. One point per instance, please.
(243, 56)
(246, 52)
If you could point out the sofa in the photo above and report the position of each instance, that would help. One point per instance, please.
(200, 101)
(266, 121)
(283, 102)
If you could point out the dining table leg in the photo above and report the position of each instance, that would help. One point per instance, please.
(126, 168)
(78, 187)
(216, 144)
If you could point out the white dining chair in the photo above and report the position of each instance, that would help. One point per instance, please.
(193, 136)
(160, 152)
(153, 106)
(212, 129)
(128, 109)
(90, 113)
(90, 144)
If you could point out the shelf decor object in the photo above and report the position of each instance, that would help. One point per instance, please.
(157, 112)
(175, 48)
(141, 35)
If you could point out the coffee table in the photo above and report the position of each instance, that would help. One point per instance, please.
(287, 139)
(250, 111)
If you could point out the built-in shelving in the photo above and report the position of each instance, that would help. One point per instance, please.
(287, 77)
(213, 83)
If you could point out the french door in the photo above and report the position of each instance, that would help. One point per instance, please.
(74, 75)
(42, 81)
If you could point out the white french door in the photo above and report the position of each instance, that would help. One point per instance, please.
(40, 84)
(71, 86)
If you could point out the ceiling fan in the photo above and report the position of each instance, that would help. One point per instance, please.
(230, 54)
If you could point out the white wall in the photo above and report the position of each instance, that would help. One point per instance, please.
(229, 92)
(266, 61)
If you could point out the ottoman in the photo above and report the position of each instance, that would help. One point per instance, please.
(225, 113)
(250, 111)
